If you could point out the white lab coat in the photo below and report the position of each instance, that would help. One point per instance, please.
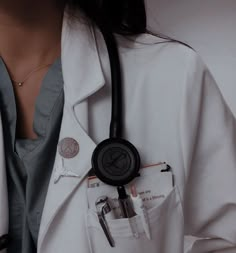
(173, 112)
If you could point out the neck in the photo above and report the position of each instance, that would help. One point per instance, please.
(30, 31)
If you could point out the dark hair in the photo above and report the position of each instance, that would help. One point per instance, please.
(125, 17)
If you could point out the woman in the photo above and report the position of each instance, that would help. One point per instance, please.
(55, 87)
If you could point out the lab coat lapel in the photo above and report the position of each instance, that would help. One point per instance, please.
(82, 77)
(82, 71)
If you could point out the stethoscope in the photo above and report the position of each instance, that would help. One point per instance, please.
(115, 161)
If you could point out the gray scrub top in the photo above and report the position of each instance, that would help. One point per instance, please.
(30, 162)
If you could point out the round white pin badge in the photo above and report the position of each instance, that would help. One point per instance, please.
(68, 148)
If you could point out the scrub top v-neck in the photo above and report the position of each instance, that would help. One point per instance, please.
(30, 162)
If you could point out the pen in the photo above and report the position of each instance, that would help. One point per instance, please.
(126, 208)
(104, 208)
(141, 210)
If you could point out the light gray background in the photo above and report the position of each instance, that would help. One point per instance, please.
(207, 25)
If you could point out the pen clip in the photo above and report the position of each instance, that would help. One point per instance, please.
(105, 229)
(103, 208)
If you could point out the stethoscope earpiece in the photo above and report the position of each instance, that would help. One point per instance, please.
(116, 161)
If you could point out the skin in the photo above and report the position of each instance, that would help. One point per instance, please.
(30, 35)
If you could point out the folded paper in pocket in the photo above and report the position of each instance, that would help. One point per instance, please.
(153, 185)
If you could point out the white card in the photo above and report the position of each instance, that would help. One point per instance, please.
(153, 185)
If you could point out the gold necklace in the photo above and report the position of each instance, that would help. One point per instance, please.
(30, 73)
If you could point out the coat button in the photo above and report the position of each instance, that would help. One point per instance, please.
(4, 240)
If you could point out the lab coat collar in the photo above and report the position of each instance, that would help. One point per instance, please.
(82, 71)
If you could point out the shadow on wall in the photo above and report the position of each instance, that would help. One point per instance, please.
(209, 27)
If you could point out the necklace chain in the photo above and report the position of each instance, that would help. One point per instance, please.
(30, 73)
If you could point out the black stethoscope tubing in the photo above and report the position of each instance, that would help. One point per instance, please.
(115, 161)
(116, 125)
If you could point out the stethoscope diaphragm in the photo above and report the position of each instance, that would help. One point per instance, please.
(116, 161)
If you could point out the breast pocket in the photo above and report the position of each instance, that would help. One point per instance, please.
(164, 213)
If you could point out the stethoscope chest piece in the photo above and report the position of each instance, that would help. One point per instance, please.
(116, 161)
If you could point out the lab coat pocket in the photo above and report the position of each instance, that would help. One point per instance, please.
(166, 228)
